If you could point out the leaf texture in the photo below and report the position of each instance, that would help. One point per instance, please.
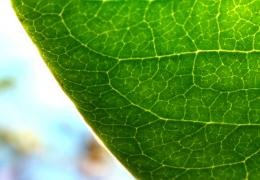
(171, 87)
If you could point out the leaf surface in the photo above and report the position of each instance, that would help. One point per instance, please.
(172, 88)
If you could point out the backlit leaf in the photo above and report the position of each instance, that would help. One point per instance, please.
(172, 87)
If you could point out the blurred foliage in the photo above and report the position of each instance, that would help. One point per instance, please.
(6, 83)
(20, 142)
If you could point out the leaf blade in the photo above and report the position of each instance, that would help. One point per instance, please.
(169, 87)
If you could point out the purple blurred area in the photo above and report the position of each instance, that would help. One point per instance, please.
(42, 136)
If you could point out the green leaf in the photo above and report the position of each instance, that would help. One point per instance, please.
(172, 87)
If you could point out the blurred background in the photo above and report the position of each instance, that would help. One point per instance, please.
(42, 136)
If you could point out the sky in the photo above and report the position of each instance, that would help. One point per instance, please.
(38, 113)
